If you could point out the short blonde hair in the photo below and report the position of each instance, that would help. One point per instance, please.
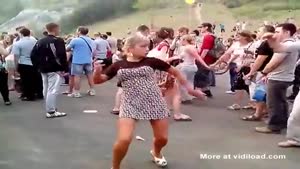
(188, 38)
(133, 40)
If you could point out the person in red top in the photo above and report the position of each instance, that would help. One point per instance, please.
(207, 44)
(203, 77)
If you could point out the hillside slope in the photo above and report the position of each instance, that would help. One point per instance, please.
(170, 17)
(253, 11)
(273, 10)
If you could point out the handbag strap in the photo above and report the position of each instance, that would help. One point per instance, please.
(87, 44)
(53, 49)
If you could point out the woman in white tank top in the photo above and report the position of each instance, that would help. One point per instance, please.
(188, 67)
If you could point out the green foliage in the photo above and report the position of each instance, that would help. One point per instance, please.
(280, 6)
(147, 4)
(10, 9)
(97, 10)
(232, 3)
(276, 10)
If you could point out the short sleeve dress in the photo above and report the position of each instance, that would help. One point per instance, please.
(142, 98)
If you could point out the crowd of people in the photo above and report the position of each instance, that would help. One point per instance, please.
(157, 71)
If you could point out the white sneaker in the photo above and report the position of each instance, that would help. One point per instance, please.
(55, 114)
(230, 92)
(92, 92)
(75, 95)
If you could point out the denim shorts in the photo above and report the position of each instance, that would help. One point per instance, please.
(81, 69)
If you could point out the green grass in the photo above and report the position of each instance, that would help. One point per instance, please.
(170, 17)
(274, 10)
(211, 12)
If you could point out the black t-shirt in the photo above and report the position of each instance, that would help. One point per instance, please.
(154, 63)
(266, 50)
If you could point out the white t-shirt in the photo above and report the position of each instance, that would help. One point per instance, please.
(240, 51)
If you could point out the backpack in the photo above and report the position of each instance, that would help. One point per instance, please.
(219, 48)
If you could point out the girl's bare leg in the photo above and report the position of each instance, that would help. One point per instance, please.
(173, 99)
(160, 132)
(125, 134)
(118, 99)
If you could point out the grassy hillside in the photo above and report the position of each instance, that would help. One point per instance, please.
(254, 11)
(171, 17)
(275, 10)
(161, 17)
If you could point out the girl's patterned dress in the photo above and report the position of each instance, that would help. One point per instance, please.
(142, 99)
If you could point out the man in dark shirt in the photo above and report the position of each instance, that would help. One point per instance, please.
(264, 54)
(49, 56)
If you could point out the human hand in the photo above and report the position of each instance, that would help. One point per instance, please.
(248, 76)
(264, 79)
(61, 73)
(213, 66)
(16, 75)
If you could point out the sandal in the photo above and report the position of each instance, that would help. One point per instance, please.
(251, 118)
(160, 162)
(288, 144)
(234, 107)
(182, 117)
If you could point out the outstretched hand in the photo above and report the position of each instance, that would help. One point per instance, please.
(248, 76)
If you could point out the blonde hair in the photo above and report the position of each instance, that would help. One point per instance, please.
(133, 40)
(189, 39)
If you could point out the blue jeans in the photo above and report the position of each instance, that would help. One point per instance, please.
(233, 75)
(81, 69)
